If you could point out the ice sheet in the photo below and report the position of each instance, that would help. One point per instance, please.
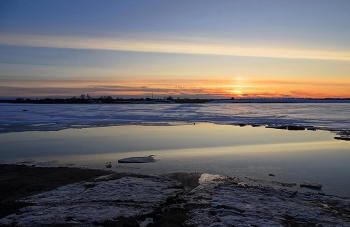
(330, 116)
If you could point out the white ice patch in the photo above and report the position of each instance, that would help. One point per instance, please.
(82, 203)
(206, 183)
(206, 178)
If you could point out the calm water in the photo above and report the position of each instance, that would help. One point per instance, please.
(293, 156)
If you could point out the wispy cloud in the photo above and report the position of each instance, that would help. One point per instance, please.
(325, 82)
(179, 46)
(96, 91)
(159, 92)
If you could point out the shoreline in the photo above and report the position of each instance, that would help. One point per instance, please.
(20, 181)
(177, 199)
(340, 133)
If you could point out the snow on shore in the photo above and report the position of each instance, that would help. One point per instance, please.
(234, 205)
(216, 201)
(85, 203)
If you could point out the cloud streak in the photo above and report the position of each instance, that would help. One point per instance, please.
(250, 87)
(160, 92)
(96, 91)
(172, 46)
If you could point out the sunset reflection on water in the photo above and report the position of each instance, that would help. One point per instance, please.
(293, 156)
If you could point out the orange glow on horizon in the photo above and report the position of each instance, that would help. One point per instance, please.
(241, 88)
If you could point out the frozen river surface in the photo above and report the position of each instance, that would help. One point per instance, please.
(199, 138)
(38, 117)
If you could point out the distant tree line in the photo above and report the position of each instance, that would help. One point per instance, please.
(83, 99)
(87, 99)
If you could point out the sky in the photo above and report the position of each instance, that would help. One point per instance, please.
(186, 49)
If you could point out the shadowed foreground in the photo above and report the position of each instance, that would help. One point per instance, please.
(85, 197)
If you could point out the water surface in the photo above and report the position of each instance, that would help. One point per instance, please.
(293, 156)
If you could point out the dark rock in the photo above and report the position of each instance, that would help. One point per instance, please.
(293, 194)
(108, 165)
(311, 128)
(342, 138)
(311, 185)
(157, 217)
(277, 126)
(148, 159)
(172, 218)
(295, 127)
(27, 180)
(121, 221)
(271, 174)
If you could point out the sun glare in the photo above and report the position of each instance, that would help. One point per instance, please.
(237, 92)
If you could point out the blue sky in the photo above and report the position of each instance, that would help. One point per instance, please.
(206, 48)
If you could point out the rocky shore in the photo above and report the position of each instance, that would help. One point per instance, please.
(34, 196)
